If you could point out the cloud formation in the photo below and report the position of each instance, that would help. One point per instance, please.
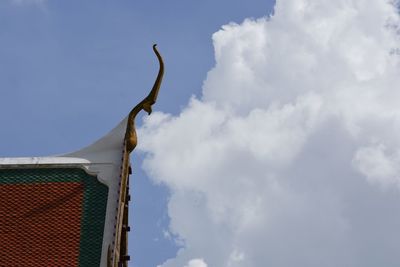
(196, 263)
(290, 156)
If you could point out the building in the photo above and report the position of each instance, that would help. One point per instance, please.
(72, 209)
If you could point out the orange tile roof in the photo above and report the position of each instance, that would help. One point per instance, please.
(51, 217)
(40, 224)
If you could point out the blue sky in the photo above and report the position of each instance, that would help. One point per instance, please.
(71, 70)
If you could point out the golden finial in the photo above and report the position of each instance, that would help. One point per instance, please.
(145, 104)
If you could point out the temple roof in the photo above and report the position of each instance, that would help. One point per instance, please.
(62, 210)
(72, 209)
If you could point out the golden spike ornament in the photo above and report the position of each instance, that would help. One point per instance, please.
(117, 254)
(145, 104)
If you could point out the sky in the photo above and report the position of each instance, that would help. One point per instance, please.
(275, 141)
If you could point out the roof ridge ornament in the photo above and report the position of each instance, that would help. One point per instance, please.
(145, 104)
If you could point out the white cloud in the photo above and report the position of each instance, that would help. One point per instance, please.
(379, 166)
(196, 263)
(276, 163)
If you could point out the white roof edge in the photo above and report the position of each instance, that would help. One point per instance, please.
(102, 151)
(42, 160)
(111, 141)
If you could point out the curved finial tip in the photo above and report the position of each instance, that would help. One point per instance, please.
(145, 104)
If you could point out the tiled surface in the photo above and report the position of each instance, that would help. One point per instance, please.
(51, 217)
(40, 222)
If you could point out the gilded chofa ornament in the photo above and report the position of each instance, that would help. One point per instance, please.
(117, 254)
(145, 104)
(72, 209)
